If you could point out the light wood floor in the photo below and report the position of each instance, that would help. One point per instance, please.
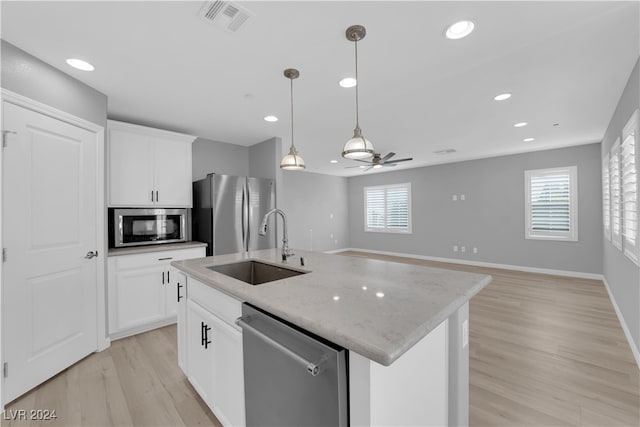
(544, 351)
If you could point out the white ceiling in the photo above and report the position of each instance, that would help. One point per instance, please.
(160, 64)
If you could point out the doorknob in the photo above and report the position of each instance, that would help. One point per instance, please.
(91, 254)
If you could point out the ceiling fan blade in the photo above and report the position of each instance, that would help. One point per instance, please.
(388, 156)
(401, 160)
(363, 161)
(369, 168)
(351, 167)
(389, 164)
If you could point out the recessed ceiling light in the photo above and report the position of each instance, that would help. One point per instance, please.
(379, 294)
(348, 82)
(333, 161)
(459, 30)
(336, 297)
(521, 124)
(502, 96)
(529, 139)
(270, 119)
(80, 64)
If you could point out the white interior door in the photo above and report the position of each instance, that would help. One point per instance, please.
(49, 225)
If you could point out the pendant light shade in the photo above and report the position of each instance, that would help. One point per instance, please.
(292, 161)
(358, 147)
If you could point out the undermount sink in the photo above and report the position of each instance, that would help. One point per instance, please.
(255, 272)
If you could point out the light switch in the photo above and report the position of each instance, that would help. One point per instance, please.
(455, 248)
(475, 250)
(331, 216)
(455, 197)
(462, 197)
(463, 249)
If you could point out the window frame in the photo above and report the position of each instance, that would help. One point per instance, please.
(616, 210)
(631, 250)
(387, 229)
(568, 236)
(606, 189)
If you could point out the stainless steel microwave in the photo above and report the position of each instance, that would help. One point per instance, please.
(134, 227)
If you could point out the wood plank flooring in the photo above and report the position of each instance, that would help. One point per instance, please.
(544, 351)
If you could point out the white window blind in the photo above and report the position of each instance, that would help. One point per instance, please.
(606, 198)
(388, 208)
(629, 188)
(551, 205)
(616, 195)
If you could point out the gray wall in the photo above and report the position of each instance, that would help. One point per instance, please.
(622, 275)
(29, 76)
(219, 157)
(264, 162)
(317, 210)
(492, 217)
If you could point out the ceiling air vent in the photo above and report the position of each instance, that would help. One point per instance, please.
(445, 151)
(225, 14)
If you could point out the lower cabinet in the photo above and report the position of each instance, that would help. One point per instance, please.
(143, 290)
(213, 351)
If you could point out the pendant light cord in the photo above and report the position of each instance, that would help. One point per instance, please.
(357, 84)
(292, 145)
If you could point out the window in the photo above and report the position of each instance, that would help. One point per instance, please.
(629, 188)
(551, 204)
(388, 208)
(616, 199)
(606, 198)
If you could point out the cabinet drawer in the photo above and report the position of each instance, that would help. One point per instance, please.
(222, 305)
(124, 262)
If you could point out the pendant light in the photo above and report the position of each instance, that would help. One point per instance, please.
(292, 161)
(357, 147)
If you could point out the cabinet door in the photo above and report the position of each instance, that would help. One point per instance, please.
(180, 280)
(139, 298)
(130, 169)
(199, 357)
(171, 291)
(228, 374)
(172, 173)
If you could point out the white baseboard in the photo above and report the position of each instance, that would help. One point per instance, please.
(565, 273)
(627, 333)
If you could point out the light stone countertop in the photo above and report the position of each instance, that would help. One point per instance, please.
(378, 309)
(131, 250)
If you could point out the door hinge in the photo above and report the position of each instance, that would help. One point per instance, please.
(5, 369)
(4, 254)
(4, 137)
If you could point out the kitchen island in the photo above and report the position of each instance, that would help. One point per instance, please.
(404, 326)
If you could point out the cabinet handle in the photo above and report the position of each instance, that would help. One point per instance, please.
(157, 198)
(168, 280)
(152, 195)
(163, 277)
(204, 333)
(179, 296)
(164, 259)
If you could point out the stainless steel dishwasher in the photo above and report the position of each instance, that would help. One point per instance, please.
(290, 377)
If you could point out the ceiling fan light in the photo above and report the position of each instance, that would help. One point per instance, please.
(377, 166)
(292, 161)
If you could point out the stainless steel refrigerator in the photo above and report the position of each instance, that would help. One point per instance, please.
(227, 211)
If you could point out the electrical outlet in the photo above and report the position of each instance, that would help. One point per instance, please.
(475, 250)
(462, 197)
(463, 249)
(465, 333)
(331, 216)
(455, 248)
(335, 241)
(455, 197)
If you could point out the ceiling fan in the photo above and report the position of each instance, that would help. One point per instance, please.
(377, 162)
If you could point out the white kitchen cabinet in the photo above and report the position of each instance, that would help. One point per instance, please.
(215, 368)
(143, 290)
(181, 303)
(148, 167)
(200, 349)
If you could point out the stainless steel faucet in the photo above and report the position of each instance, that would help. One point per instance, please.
(286, 252)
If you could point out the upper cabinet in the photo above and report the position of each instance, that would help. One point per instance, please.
(148, 167)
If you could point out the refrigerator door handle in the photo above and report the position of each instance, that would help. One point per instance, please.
(245, 219)
(248, 217)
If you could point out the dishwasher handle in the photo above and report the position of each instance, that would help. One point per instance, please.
(312, 368)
